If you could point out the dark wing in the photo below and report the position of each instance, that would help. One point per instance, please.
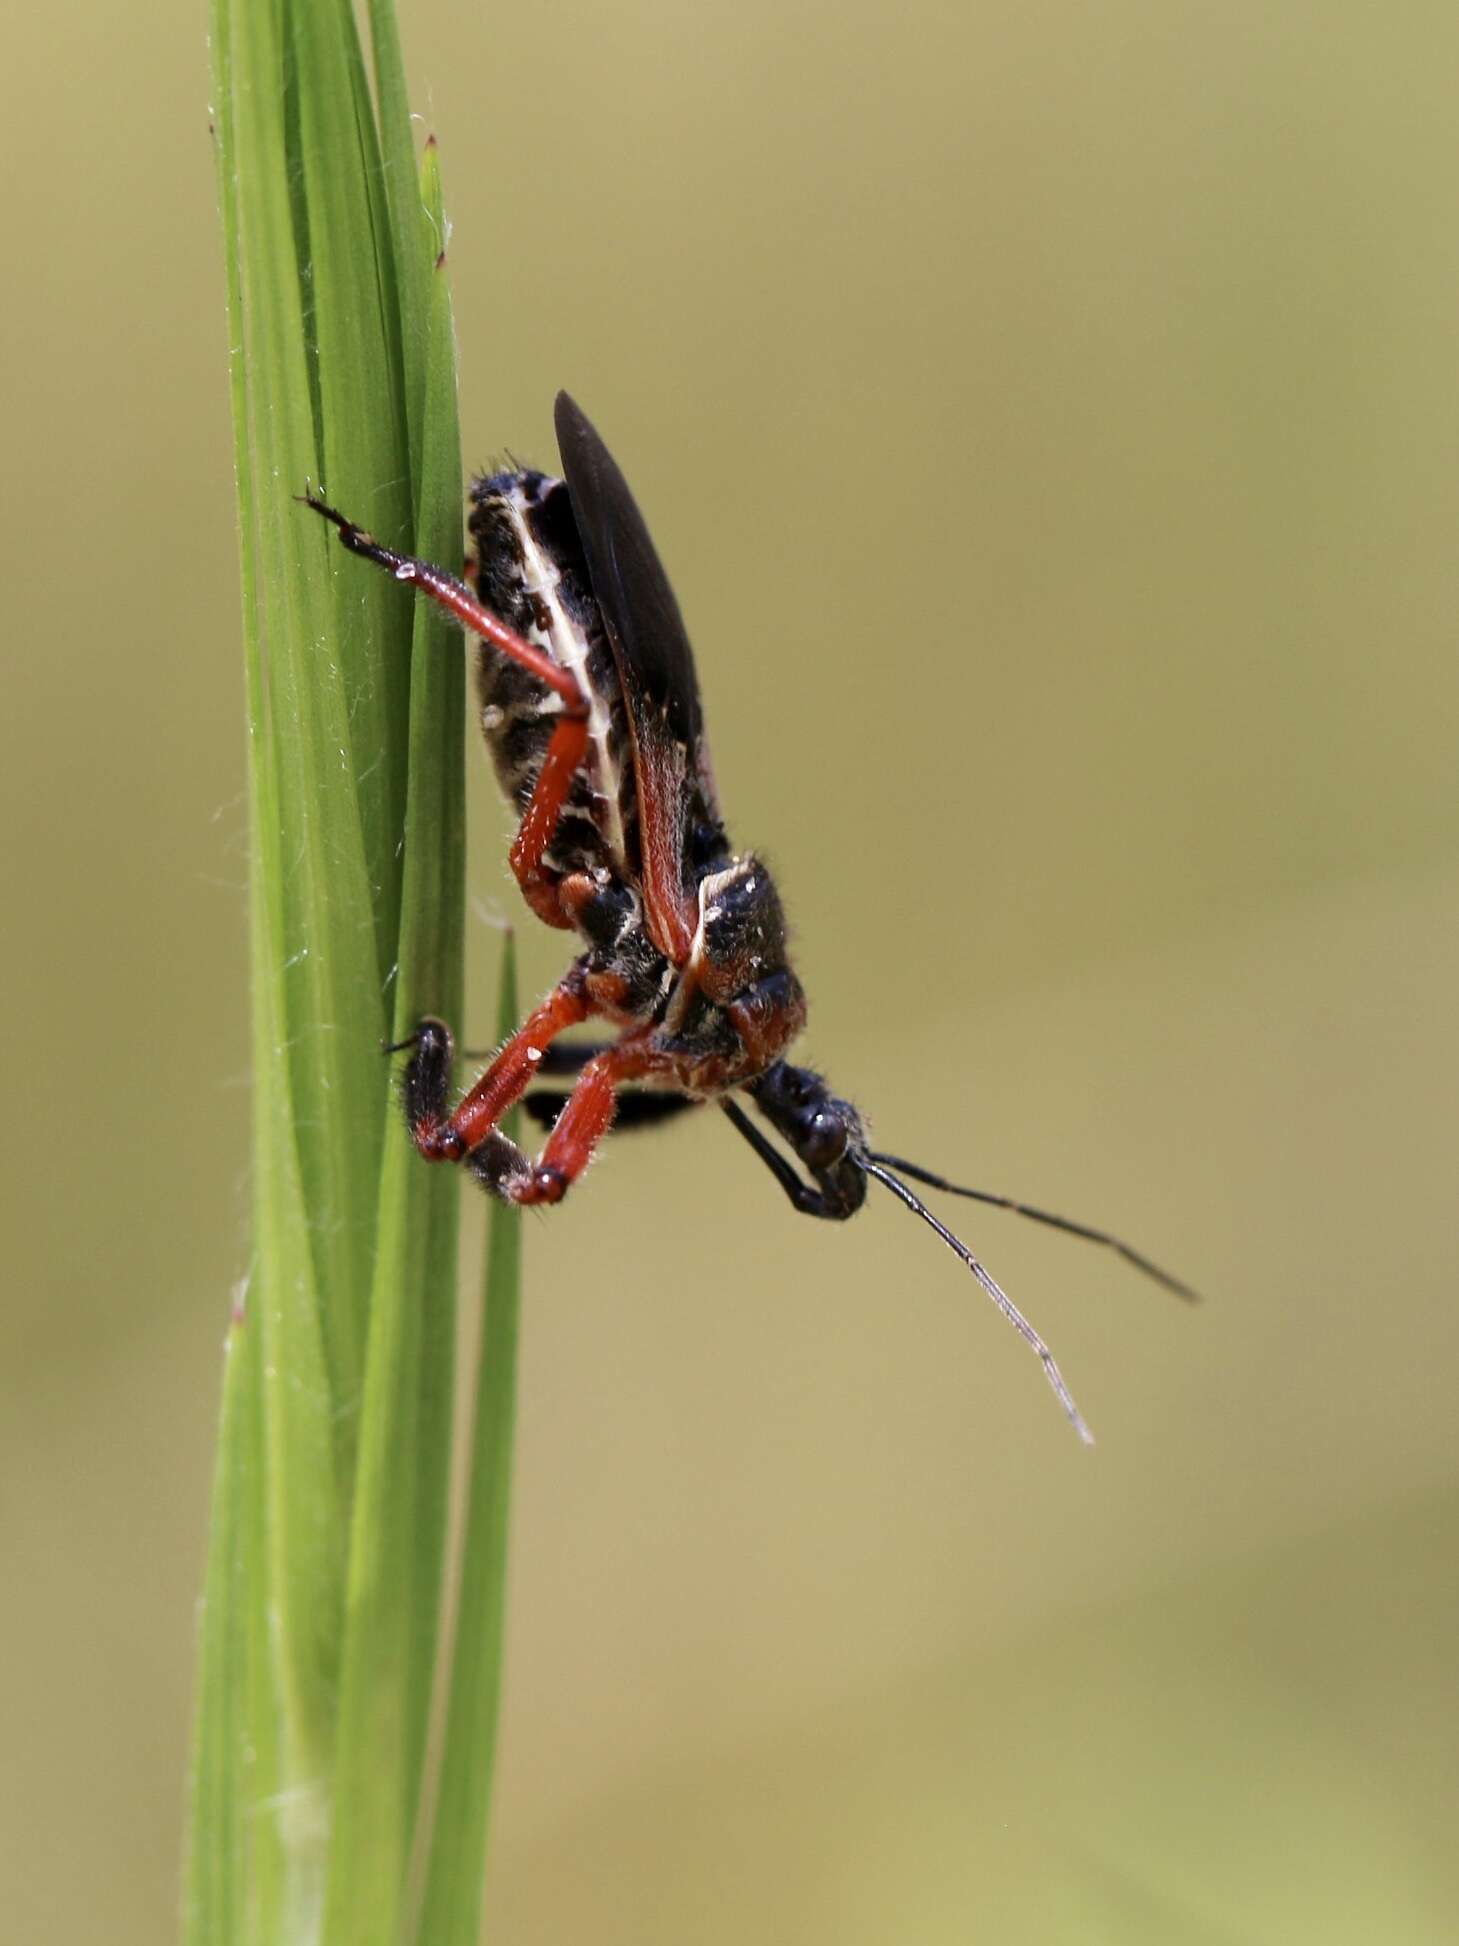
(681, 824)
(655, 662)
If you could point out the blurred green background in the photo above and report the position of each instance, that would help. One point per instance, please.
(1048, 414)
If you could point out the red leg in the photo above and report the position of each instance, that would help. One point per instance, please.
(457, 599)
(447, 1138)
(584, 1122)
(560, 766)
(569, 740)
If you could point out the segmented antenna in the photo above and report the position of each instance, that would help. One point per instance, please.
(1073, 1229)
(874, 1166)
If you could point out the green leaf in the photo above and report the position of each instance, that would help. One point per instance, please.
(400, 1504)
(217, 1864)
(450, 1911)
(318, 1638)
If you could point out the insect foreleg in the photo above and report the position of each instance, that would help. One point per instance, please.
(442, 1137)
(804, 1196)
(585, 1120)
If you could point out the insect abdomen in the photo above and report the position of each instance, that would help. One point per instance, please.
(530, 571)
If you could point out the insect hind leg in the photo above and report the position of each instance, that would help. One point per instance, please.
(458, 601)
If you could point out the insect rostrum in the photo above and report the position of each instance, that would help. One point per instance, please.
(590, 709)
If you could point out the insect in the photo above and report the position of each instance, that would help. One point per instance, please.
(590, 708)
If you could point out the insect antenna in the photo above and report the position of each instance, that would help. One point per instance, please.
(875, 1166)
(1125, 1250)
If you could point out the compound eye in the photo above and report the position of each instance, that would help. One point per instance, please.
(824, 1142)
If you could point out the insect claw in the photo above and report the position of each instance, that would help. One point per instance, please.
(311, 499)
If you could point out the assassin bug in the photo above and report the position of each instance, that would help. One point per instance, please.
(590, 708)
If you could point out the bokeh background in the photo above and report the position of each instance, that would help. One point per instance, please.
(1049, 416)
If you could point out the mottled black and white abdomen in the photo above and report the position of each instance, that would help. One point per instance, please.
(531, 572)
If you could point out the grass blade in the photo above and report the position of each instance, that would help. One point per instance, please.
(270, 1642)
(451, 1906)
(399, 1529)
(319, 1626)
